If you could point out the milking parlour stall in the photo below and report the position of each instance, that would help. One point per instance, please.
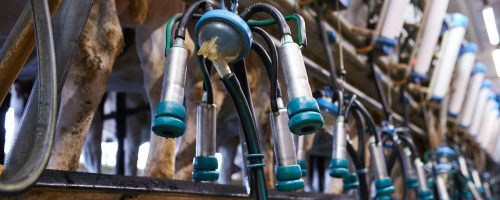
(250, 99)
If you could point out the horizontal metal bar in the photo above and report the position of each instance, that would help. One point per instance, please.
(83, 182)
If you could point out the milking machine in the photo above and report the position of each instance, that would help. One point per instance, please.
(223, 39)
(450, 46)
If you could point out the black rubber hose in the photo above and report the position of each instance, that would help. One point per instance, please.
(378, 87)
(363, 185)
(259, 49)
(273, 53)
(206, 69)
(368, 120)
(326, 47)
(181, 28)
(21, 172)
(240, 70)
(409, 142)
(361, 136)
(249, 12)
(256, 172)
(340, 101)
(348, 107)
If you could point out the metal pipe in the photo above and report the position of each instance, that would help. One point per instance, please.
(23, 172)
(120, 132)
(205, 163)
(288, 172)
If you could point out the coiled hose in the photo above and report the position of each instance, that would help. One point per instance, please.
(22, 172)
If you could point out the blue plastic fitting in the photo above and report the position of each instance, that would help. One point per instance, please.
(384, 188)
(327, 106)
(411, 183)
(479, 68)
(486, 83)
(457, 20)
(303, 167)
(304, 116)
(233, 20)
(169, 119)
(339, 168)
(289, 178)
(467, 47)
(385, 44)
(205, 168)
(425, 195)
(419, 76)
(453, 115)
(350, 182)
(332, 38)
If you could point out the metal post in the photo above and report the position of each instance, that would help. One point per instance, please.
(121, 128)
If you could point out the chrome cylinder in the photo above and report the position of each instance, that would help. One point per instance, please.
(294, 71)
(301, 147)
(174, 78)
(339, 139)
(378, 160)
(474, 191)
(407, 164)
(206, 120)
(476, 178)
(421, 177)
(284, 148)
(487, 190)
(462, 163)
(441, 188)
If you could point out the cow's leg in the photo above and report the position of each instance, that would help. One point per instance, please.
(100, 43)
(137, 123)
(150, 40)
(92, 148)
